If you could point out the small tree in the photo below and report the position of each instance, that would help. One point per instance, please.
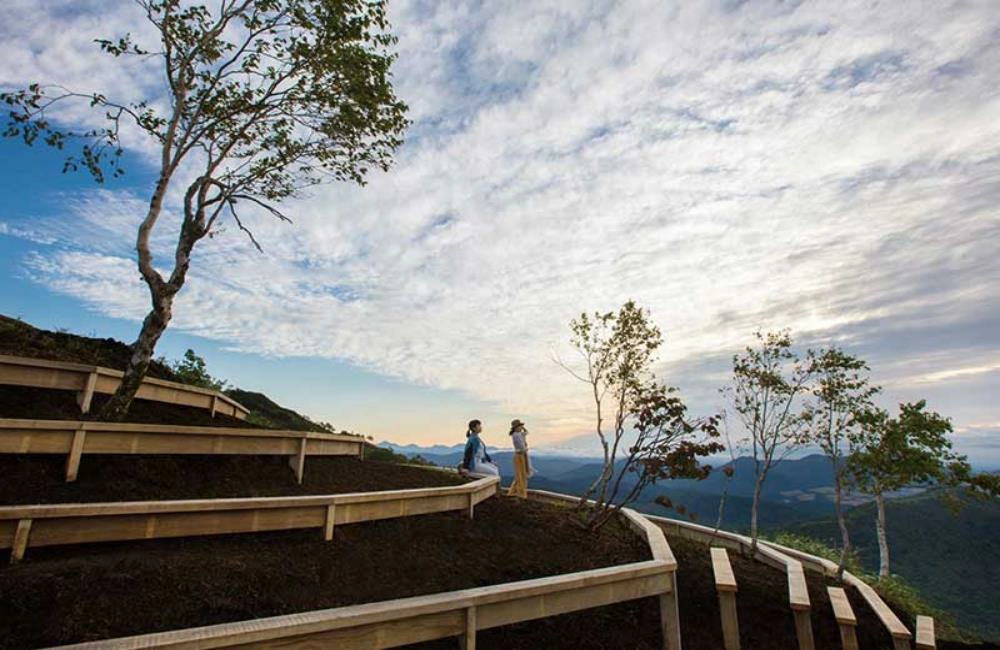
(194, 371)
(893, 453)
(766, 393)
(618, 350)
(729, 470)
(668, 446)
(262, 99)
(841, 392)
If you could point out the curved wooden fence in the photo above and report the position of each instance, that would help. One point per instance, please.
(87, 380)
(49, 525)
(77, 437)
(459, 614)
(791, 561)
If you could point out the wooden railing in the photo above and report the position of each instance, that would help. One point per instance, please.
(77, 437)
(48, 525)
(459, 614)
(901, 636)
(791, 561)
(87, 380)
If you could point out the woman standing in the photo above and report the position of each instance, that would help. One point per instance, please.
(522, 466)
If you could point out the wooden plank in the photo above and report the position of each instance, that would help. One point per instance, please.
(725, 585)
(842, 610)
(803, 629)
(468, 640)
(730, 621)
(75, 452)
(86, 396)
(846, 620)
(298, 461)
(722, 570)
(925, 633)
(331, 518)
(887, 616)
(670, 618)
(20, 540)
(798, 590)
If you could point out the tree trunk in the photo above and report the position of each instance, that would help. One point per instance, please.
(883, 543)
(757, 488)
(153, 327)
(845, 538)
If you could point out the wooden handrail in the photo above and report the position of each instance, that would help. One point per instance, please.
(89, 379)
(420, 618)
(76, 438)
(49, 525)
(423, 618)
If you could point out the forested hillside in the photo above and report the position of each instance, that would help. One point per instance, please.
(953, 558)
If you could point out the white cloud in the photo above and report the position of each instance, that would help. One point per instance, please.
(829, 167)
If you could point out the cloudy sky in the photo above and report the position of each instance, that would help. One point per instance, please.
(831, 167)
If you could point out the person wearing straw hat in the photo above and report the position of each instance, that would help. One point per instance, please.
(522, 465)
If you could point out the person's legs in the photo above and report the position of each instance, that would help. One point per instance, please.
(519, 488)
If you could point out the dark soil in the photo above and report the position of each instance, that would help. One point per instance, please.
(40, 478)
(72, 594)
(22, 340)
(47, 404)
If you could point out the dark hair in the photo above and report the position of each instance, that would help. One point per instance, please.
(473, 423)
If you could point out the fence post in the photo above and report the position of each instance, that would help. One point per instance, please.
(725, 585)
(670, 617)
(845, 617)
(298, 461)
(331, 514)
(925, 633)
(20, 540)
(75, 452)
(84, 397)
(468, 640)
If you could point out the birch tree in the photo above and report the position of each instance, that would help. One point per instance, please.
(260, 99)
(617, 349)
(767, 394)
(842, 391)
(896, 452)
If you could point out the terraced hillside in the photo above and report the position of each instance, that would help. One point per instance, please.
(142, 543)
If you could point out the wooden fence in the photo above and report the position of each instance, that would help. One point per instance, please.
(459, 614)
(76, 438)
(87, 380)
(48, 525)
(791, 561)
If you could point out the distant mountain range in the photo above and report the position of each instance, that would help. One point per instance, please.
(796, 490)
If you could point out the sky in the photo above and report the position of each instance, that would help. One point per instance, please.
(828, 167)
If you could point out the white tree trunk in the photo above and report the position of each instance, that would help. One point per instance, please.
(845, 538)
(883, 542)
(754, 509)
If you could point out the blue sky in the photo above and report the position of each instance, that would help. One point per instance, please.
(825, 166)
